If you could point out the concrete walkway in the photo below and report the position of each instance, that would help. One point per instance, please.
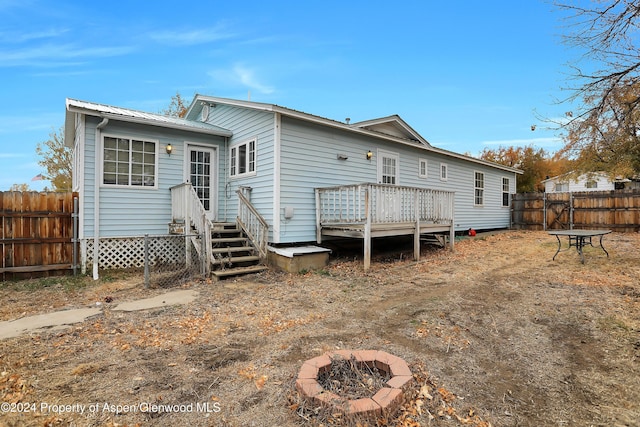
(64, 318)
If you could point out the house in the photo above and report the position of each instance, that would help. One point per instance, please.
(598, 181)
(280, 176)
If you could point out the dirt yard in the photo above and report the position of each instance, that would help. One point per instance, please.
(496, 334)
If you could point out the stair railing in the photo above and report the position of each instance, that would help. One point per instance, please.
(253, 224)
(186, 206)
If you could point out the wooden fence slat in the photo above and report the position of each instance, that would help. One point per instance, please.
(618, 210)
(36, 232)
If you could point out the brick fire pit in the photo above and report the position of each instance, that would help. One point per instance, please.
(385, 401)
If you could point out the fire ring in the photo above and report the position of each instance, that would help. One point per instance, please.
(386, 401)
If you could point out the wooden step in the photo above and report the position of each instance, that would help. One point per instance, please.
(232, 249)
(226, 231)
(236, 259)
(215, 226)
(228, 240)
(238, 271)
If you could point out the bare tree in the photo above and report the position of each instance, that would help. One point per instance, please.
(57, 159)
(604, 129)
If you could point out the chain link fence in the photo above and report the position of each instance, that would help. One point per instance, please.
(171, 260)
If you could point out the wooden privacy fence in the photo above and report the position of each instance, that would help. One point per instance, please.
(617, 210)
(38, 233)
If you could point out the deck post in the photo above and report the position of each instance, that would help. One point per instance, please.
(416, 235)
(367, 229)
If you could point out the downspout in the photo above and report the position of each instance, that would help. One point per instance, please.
(96, 196)
(277, 142)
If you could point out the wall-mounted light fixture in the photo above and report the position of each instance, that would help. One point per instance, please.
(369, 155)
(169, 149)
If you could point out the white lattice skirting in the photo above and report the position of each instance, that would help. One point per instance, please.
(128, 252)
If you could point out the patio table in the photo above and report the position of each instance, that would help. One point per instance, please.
(578, 239)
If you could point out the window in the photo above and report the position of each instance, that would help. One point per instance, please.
(562, 187)
(422, 168)
(129, 162)
(505, 192)
(591, 184)
(479, 189)
(242, 159)
(388, 167)
(444, 172)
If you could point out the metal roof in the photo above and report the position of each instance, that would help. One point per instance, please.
(135, 116)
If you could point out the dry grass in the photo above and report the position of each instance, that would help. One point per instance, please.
(496, 334)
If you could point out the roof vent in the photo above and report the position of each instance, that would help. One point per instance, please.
(347, 120)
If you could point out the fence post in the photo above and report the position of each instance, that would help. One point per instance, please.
(146, 261)
(203, 256)
(74, 241)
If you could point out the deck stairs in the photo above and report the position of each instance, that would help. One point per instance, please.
(232, 252)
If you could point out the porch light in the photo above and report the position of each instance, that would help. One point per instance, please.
(169, 149)
(369, 155)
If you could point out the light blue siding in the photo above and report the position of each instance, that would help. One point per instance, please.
(309, 159)
(247, 124)
(136, 211)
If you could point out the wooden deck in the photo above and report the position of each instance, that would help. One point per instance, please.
(366, 211)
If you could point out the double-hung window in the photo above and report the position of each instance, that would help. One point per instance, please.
(505, 192)
(479, 189)
(444, 172)
(422, 168)
(129, 162)
(242, 158)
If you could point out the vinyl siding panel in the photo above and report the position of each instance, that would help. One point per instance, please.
(310, 159)
(247, 124)
(136, 211)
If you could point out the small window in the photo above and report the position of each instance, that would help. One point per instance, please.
(422, 168)
(479, 189)
(129, 162)
(591, 184)
(505, 192)
(562, 187)
(242, 159)
(444, 172)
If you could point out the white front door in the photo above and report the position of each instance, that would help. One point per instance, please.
(387, 198)
(201, 173)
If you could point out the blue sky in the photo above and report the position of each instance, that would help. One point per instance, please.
(465, 75)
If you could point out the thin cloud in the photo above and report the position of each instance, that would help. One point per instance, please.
(49, 55)
(190, 38)
(16, 38)
(241, 75)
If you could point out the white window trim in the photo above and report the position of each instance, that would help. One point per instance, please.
(129, 186)
(484, 186)
(426, 168)
(446, 172)
(255, 160)
(508, 191)
(390, 154)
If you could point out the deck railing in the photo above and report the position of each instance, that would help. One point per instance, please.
(380, 203)
(186, 206)
(252, 223)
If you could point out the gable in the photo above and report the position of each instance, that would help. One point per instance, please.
(393, 126)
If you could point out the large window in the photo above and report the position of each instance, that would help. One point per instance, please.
(479, 189)
(505, 191)
(129, 162)
(242, 158)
